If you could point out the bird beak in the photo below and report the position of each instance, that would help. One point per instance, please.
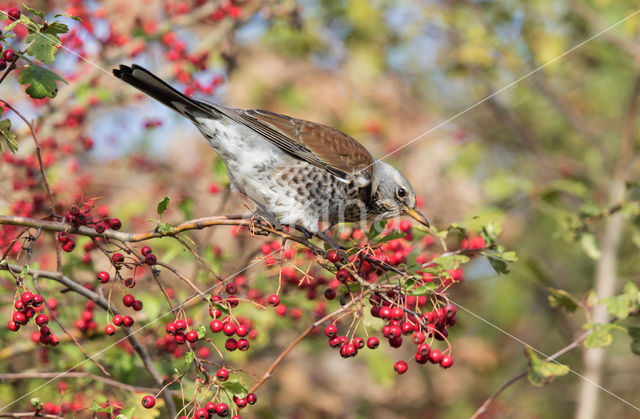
(417, 215)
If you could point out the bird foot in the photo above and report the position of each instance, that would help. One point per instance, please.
(261, 218)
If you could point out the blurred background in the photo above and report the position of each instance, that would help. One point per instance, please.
(549, 157)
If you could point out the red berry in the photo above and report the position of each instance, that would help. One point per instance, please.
(128, 300)
(192, 336)
(273, 300)
(115, 224)
(127, 321)
(211, 408)
(400, 367)
(181, 325)
(14, 13)
(231, 345)
(201, 414)
(117, 259)
(216, 326)
(37, 300)
(118, 319)
(222, 409)
(9, 55)
(334, 256)
(20, 306)
(373, 342)
(171, 328)
(446, 361)
(229, 329)
(241, 402)
(145, 250)
(243, 344)
(180, 338)
(103, 277)
(358, 342)
(397, 313)
(63, 237)
(100, 227)
(42, 320)
(435, 356)
(231, 289)
(222, 374)
(3, 63)
(329, 293)
(449, 311)
(150, 259)
(385, 313)
(242, 330)
(109, 329)
(148, 401)
(418, 338)
(130, 282)
(137, 305)
(342, 275)
(407, 328)
(69, 246)
(13, 326)
(331, 331)
(251, 398)
(19, 318)
(27, 298)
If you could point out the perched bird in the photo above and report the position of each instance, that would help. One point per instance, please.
(298, 173)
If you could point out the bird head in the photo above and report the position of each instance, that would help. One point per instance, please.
(393, 193)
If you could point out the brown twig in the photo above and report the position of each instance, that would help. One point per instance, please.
(485, 406)
(28, 415)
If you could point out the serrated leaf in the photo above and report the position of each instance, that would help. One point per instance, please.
(451, 261)
(425, 289)
(376, 228)
(163, 205)
(540, 372)
(95, 407)
(54, 28)
(590, 245)
(76, 18)
(392, 235)
(201, 331)
(561, 298)
(8, 136)
(624, 304)
(509, 256)
(234, 385)
(490, 232)
(498, 265)
(42, 82)
(43, 46)
(600, 335)
(33, 11)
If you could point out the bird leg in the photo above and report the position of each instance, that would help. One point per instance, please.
(262, 217)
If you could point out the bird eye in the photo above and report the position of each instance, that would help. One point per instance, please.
(401, 193)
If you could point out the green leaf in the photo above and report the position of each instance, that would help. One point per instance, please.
(54, 28)
(490, 232)
(540, 372)
(634, 333)
(376, 228)
(127, 413)
(624, 304)
(95, 407)
(451, 261)
(600, 335)
(188, 358)
(498, 265)
(590, 245)
(392, 235)
(35, 402)
(201, 331)
(561, 298)
(42, 82)
(8, 136)
(25, 271)
(186, 207)
(235, 385)
(163, 205)
(425, 289)
(33, 11)
(76, 18)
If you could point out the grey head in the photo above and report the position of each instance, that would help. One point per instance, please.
(392, 194)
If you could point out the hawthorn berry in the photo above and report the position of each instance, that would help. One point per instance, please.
(115, 224)
(180, 338)
(109, 329)
(446, 361)
(148, 401)
(373, 342)
(128, 300)
(42, 320)
(13, 326)
(130, 282)
(231, 345)
(118, 319)
(243, 344)
(3, 63)
(27, 298)
(407, 328)
(418, 338)
(342, 275)
(150, 259)
(37, 300)
(222, 374)
(330, 294)
(192, 336)
(358, 342)
(334, 256)
(180, 325)
(45, 331)
(100, 227)
(20, 306)
(229, 329)
(231, 289)
(331, 331)
(9, 55)
(435, 356)
(117, 259)
(400, 367)
(222, 409)
(215, 326)
(242, 330)
(211, 408)
(145, 250)
(13, 13)
(241, 402)
(137, 305)
(63, 237)
(171, 328)
(127, 321)
(273, 300)
(69, 246)
(201, 413)
(19, 318)
(103, 277)
(251, 398)
(397, 313)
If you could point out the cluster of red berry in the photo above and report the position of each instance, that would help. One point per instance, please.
(25, 309)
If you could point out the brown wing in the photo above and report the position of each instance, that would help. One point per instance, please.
(315, 143)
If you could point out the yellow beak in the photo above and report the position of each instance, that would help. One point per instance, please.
(417, 215)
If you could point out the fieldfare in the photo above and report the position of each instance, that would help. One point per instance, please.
(299, 172)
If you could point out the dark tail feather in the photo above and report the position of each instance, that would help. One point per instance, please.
(145, 81)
